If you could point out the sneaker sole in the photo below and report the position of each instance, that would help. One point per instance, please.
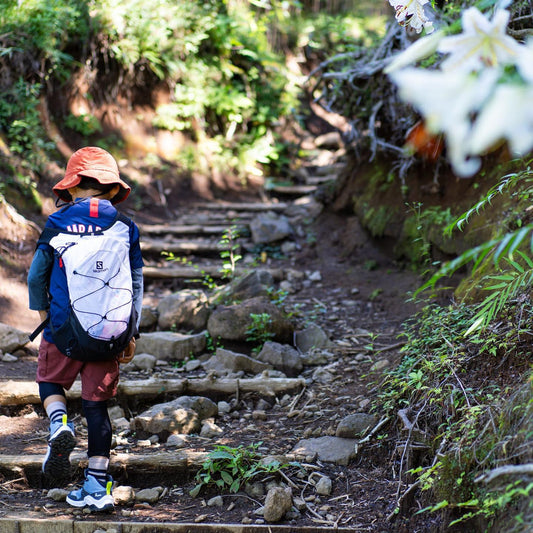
(57, 462)
(105, 503)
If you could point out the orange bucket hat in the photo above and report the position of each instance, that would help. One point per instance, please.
(96, 163)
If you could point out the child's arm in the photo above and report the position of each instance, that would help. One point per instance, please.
(38, 280)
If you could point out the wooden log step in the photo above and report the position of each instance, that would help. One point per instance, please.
(186, 272)
(158, 246)
(25, 392)
(187, 229)
(327, 170)
(252, 206)
(293, 190)
(178, 461)
(319, 180)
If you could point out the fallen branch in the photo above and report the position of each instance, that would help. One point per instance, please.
(508, 470)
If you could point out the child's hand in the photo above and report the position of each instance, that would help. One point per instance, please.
(127, 355)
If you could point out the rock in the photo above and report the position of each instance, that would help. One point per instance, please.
(380, 365)
(324, 486)
(255, 490)
(278, 501)
(232, 322)
(216, 501)
(8, 358)
(58, 495)
(210, 430)
(149, 318)
(328, 449)
(192, 365)
(144, 361)
(288, 247)
(353, 426)
(322, 375)
(236, 362)
(183, 415)
(187, 309)
(299, 503)
(250, 285)
(311, 337)
(315, 276)
(224, 407)
(259, 415)
(282, 357)
(124, 495)
(269, 227)
(120, 424)
(115, 412)
(263, 405)
(149, 495)
(315, 357)
(177, 441)
(12, 338)
(169, 346)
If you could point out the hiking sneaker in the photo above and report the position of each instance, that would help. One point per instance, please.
(97, 496)
(61, 442)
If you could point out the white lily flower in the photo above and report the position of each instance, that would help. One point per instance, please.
(482, 43)
(411, 13)
(447, 101)
(420, 49)
(507, 115)
(525, 61)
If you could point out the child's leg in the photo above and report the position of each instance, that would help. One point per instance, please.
(61, 441)
(99, 438)
(99, 384)
(96, 489)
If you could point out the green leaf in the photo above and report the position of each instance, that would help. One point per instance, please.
(226, 476)
(196, 490)
(235, 485)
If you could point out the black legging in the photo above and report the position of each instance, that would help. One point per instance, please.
(98, 427)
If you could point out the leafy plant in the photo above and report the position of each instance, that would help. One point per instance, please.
(228, 468)
(230, 255)
(86, 125)
(259, 331)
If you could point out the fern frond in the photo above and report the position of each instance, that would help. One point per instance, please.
(510, 285)
(504, 246)
(498, 189)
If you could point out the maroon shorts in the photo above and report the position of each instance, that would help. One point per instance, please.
(98, 380)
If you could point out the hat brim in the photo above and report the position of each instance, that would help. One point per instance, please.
(103, 176)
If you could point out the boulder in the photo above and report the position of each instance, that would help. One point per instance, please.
(187, 309)
(169, 346)
(12, 338)
(236, 362)
(233, 321)
(183, 415)
(282, 357)
(327, 449)
(270, 227)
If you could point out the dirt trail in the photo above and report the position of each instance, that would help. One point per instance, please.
(359, 298)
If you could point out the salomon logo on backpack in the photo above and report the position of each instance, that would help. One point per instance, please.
(101, 317)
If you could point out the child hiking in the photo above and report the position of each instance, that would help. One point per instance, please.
(86, 282)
